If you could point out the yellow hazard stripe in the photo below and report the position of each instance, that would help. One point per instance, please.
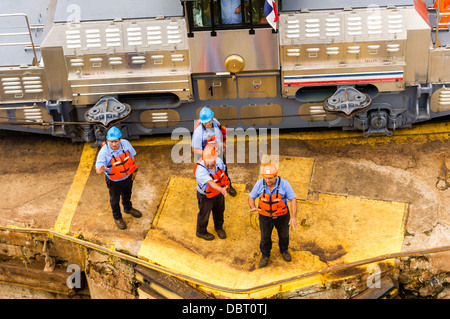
(418, 134)
(69, 207)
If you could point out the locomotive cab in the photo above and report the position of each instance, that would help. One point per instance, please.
(234, 60)
(149, 68)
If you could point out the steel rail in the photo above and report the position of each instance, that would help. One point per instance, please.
(211, 286)
(35, 59)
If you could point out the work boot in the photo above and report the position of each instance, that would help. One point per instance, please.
(263, 261)
(221, 233)
(206, 236)
(134, 212)
(120, 223)
(232, 191)
(286, 256)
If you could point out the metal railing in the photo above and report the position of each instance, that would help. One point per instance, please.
(238, 292)
(31, 43)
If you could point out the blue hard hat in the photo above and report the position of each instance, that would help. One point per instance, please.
(113, 134)
(206, 115)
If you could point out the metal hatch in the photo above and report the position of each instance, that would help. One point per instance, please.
(293, 5)
(87, 10)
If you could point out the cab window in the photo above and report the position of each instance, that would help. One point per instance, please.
(201, 13)
(226, 14)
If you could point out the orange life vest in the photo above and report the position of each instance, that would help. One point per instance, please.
(272, 205)
(224, 133)
(220, 178)
(121, 166)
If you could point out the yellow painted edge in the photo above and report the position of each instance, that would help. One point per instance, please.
(270, 290)
(70, 205)
(433, 128)
(157, 141)
(162, 202)
(417, 134)
(252, 293)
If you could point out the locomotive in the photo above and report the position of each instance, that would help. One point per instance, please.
(75, 68)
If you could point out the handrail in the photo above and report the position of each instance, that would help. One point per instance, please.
(35, 59)
(245, 291)
(437, 41)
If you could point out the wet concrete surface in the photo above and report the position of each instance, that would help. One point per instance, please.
(39, 172)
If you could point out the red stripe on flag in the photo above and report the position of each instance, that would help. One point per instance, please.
(275, 11)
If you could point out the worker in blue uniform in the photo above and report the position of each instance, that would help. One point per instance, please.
(116, 160)
(212, 188)
(208, 130)
(231, 11)
(273, 192)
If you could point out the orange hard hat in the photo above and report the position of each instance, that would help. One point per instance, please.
(209, 153)
(269, 170)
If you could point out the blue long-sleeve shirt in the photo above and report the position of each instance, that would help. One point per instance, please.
(106, 152)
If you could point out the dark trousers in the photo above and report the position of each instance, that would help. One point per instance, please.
(120, 189)
(266, 225)
(215, 204)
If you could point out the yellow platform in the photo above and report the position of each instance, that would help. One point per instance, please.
(331, 230)
(297, 170)
(337, 234)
